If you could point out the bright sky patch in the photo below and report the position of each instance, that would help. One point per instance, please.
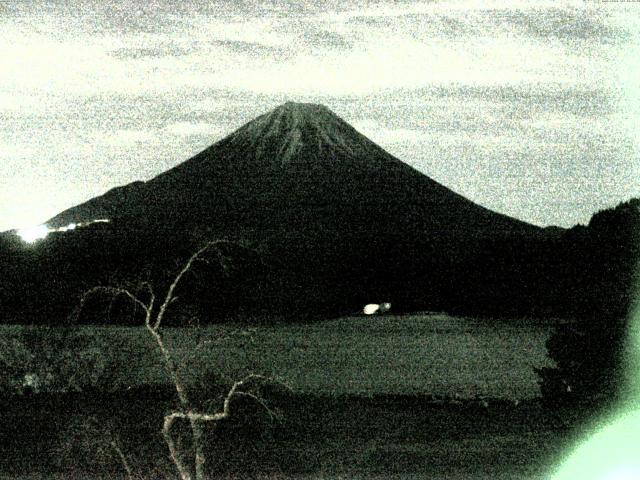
(528, 108)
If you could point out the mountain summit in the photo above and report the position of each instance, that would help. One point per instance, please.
(333, 214)
(293, 126)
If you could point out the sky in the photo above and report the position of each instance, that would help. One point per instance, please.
(531, 108)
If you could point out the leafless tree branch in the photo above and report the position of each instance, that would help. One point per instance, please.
(123, 459)
(114, 292)
(153, 322)
(176, 281)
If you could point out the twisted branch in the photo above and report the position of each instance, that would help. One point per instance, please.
(196, 420)
(115, 292)
(123, 459)
(169, 298)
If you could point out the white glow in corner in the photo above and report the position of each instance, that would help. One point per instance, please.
(611, 453)
(32, 234)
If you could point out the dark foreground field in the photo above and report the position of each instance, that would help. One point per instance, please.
(416, 354)
(417, 396)
(319, 437)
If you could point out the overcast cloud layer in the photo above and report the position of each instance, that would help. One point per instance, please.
(530, 109)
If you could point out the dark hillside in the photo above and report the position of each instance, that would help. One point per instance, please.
(335, 220)
(285, 168)
(585, 272)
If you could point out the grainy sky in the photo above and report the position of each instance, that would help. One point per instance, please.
(529, 108)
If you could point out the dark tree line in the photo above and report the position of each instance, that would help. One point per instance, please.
(581, 273)
(41, 283)
(590, 353)
(586, 275)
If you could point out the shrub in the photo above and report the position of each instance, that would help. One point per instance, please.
(53, 360)
(589, 362)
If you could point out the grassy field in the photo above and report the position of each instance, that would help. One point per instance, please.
(391, 355)
(409, 354)
(362, 403)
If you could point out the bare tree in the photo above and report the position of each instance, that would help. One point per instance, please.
(188, 466)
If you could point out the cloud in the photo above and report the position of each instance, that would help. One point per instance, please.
(386, 136)
(125, 138)
(253, 49)
(12, 104)
(569, 25)
(325, 38)
(322, 52)
(191, 128)
(253, 30)
(152, 52)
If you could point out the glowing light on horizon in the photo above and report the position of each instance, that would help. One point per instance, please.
(39, 232)
(372, 308)
(71, 226)
(33, 234)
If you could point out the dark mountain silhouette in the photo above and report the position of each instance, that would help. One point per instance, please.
(335, 219)
(297, 167)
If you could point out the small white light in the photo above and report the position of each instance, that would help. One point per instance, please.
(66, 228)
(371, 308)
(31, 234)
